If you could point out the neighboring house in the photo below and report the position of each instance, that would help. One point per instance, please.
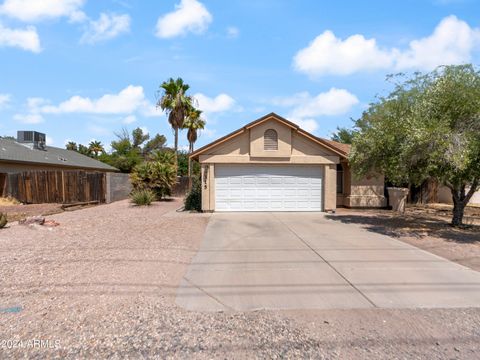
(35, 173)
(29, 153)
(445, 196)
(272, 164)
(432, 192)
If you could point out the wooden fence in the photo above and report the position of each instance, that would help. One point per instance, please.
(67, 187)
(181, 187)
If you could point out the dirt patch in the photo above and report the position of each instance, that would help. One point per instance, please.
(102, 284)
(425, 227)
(20, 211)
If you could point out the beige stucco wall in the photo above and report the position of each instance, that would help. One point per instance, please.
(365, 192)
(444, 196)
(330, 185)
(208, 187)
(293, 148)
(284, 140)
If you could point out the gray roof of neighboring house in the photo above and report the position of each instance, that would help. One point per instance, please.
(14, 152)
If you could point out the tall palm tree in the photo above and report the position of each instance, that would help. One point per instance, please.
(193, 123)
(96, 147)
(175, 102)
(71, 145)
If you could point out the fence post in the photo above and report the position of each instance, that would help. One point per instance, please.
(63, 186)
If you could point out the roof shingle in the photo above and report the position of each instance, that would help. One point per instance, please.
(13, 151)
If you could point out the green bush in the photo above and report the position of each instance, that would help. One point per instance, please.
(193, 200)
(142, 197)
(156, 176)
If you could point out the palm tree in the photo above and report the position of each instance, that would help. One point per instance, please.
(175, 102)
(96, 147)
(71, 145)
(193, 123)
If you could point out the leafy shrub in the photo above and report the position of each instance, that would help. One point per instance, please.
(156, 176)
(165, 156)
(193, 200)
(142, 197)
(8, 201)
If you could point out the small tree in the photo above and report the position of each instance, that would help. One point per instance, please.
(84, 150)
(71, 145)
(154, 175)
(155, 144)
(428, 127)
(343, 135)
(96, 147)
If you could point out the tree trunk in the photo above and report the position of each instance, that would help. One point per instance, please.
(458, 211)
(190, 161)
(176, 149)
(190, 150)
(460, 200)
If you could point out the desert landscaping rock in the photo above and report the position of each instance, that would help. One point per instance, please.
(103, 284)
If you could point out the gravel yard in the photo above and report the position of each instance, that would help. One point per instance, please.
(103, 284)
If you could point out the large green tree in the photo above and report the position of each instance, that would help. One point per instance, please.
(427, 127)
(176, 103)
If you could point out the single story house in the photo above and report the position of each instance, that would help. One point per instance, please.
(271, 164)
(33, 172)
(29, 152)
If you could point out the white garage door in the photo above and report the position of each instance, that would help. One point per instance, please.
(268, 188)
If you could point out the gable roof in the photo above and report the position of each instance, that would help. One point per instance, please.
(14, 152)
(340, 149)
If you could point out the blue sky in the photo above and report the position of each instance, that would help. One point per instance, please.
(81, 70)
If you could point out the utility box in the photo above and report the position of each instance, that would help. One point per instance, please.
(397, 198)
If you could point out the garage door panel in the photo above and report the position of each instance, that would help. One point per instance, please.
(267, 187)
(315, 192)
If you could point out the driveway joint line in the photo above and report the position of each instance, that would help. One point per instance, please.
(328, 263)
(208, 294)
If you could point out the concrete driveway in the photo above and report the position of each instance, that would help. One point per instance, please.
(251, 261)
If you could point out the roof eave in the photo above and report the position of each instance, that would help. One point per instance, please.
(112, 169)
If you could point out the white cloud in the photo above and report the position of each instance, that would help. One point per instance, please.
(49, 140)
(144, 129)
(26, 38)
(129, 119)
(35, 10)
(34, 103)
(233, 32)
(108, 26)
(221, 102)
(127, 101)
(310, 125)
(452, 42)
(332, 102)
(4, 100)
(328, 54)
(29, 118)
(189, 16)
(304, 108)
